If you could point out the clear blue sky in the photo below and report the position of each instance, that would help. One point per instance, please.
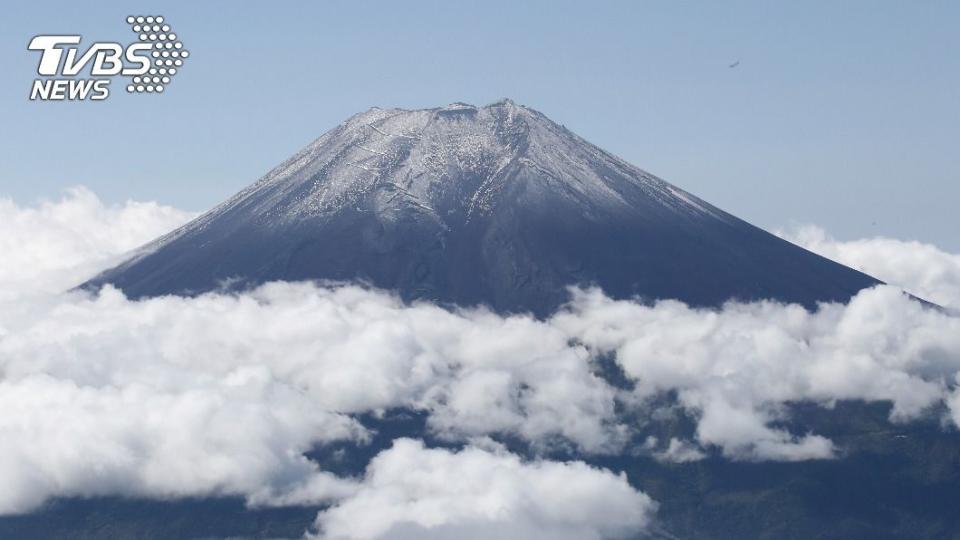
(845, 114)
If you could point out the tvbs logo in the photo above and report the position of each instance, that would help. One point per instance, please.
(149, 63)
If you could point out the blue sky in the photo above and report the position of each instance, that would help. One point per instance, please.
(844, 114)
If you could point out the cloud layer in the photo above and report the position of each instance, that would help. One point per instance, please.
(224, 394)
(921, 269)
(735, 368)
(412, 492)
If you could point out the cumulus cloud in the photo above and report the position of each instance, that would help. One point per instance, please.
(244, 435)
(412, 492)
(57, 244)
(349, 349)
(274, 371)
(676, 450)
(921, 269)
(224, 394)
(735, 368)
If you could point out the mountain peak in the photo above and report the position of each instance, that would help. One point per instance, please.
(459, 105)
(495, 205)
(506, 103)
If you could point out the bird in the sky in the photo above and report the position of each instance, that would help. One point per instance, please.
(735, 64)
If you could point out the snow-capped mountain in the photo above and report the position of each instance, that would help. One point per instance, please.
(493, 205)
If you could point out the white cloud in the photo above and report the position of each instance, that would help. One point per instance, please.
(411, 492)
(243, 435)
(921, 269)
(272, 372)
(58, 244)
(676, 451)
(735, 368)
(348, 349)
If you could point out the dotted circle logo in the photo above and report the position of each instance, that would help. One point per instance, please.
(167, 54)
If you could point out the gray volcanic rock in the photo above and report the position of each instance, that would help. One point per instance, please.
(496, 205)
